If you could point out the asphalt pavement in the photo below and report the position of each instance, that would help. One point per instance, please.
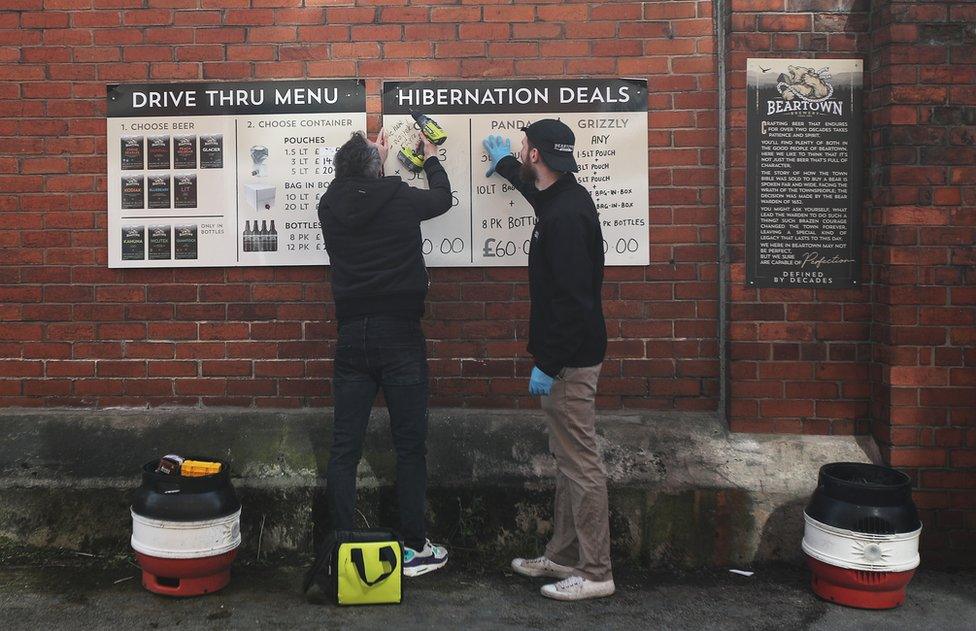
(71, 591)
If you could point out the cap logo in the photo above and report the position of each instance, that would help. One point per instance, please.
(558, 146)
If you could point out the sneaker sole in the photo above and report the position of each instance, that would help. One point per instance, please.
(414, 572)
(522, 571)
(568, 597)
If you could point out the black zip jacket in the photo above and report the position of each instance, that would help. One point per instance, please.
(566, 325)
(371, 228)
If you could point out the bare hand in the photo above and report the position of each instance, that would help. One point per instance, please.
(382, 145)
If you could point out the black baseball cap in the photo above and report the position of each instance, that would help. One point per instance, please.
(555, 141)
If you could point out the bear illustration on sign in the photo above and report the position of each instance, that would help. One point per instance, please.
(805, 84)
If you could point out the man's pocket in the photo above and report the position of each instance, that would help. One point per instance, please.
(404, 365)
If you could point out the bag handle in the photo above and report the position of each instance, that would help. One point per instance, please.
(385, 554)
(322, 557)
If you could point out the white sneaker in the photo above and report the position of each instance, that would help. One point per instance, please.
(578, 588)
(540, 566)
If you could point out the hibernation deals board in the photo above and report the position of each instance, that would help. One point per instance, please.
(490, 223)
(803, 172)
(224, 174)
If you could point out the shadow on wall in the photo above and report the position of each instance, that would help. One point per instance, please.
(696, 528)
(782, 534)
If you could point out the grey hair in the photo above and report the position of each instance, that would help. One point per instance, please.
(358, 158)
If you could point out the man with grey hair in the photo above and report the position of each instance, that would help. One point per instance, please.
(371, 226)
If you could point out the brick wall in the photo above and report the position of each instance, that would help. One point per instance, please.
(76, 333)
(798, 357)
(896, 357)
(923, 259)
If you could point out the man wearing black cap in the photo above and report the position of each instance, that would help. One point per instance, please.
(567, 340)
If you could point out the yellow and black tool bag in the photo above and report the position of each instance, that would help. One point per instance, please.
(359, 567)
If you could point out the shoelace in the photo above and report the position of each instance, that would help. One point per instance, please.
(572, 581)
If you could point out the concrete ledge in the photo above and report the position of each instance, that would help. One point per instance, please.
(683, 491)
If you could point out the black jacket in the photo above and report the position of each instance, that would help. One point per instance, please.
(371, 229)
(566, 325)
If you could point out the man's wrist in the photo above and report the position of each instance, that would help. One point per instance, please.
(499, 160)
(548, 369)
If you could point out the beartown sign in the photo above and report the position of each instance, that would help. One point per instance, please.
(803, 174)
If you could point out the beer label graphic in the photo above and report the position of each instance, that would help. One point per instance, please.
(185, 190)
(160, 239)
(185, 242)
(159, 152)
(133, 243)
(185, 152)
(133, 155)
(212, 151)
(159, 186)
(133, 192)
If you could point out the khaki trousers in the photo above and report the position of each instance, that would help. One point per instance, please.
(581, 534)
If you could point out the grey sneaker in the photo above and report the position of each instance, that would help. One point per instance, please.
(541, 566)
(418, 562)
(578, 588)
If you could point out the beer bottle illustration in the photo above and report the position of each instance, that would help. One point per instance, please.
(263, 236)
(248, 237)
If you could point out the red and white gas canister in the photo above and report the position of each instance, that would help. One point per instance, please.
(861, 535)
(185, 531)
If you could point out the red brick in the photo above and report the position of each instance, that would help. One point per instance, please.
(455, 15)
(200, 350)
(509, 13)
(404, 14)
(342, 15)
(290, 15)
(133, 368)
(226, 368)
(469, 32)
(916, 457)
(200, 387)
(223, 330)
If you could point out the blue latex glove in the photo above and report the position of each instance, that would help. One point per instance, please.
(497, 148)
(540, 382)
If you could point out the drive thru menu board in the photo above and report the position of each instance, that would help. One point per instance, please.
(224, 174)
(803, 172)
(491, 223)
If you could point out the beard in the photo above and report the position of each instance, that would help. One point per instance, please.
(528, 174)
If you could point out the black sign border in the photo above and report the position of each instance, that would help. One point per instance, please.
(638, 104)
(855, 118)
(352, 98)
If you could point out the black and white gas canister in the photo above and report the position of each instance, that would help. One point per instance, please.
(185, 531)
(861, 535)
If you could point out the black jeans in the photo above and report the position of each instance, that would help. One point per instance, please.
(388, 352)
